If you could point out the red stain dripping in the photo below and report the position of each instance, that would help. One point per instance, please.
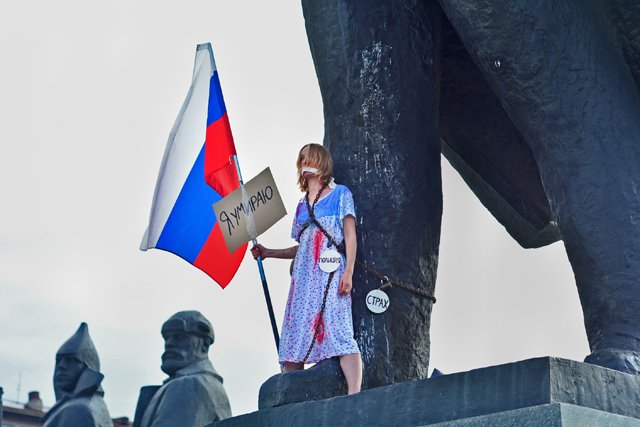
(318, 324)
(317, 245)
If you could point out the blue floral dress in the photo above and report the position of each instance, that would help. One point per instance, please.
(308, 283)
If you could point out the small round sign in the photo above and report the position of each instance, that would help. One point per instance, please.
(377, 301)
(329, 260)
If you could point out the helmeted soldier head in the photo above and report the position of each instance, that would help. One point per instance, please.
(187, 337)
(75, 356)
(76, 381)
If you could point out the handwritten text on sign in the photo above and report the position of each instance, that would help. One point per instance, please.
(240, 218)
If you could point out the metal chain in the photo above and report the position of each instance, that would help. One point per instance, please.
(311, 210)
(317, 328)
(387, 282)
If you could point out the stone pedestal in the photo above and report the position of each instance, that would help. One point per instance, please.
(323, 380)
(544, 391)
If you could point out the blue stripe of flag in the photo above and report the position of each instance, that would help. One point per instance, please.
(192, 217)
(216, 101)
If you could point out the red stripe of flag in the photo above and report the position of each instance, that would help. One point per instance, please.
(219, 170)
(215, 260)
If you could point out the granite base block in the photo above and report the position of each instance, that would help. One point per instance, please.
(542, 391)
(550, 415)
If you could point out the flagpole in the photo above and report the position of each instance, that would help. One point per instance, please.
(263, 278)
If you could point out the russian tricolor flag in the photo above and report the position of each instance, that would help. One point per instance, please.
(193, 176)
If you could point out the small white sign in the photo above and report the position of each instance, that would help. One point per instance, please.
(329, 260)
(377, 301)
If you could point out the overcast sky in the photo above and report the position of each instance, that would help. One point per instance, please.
(89, 91)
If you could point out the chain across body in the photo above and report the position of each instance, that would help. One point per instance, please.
(307, 224)
(386, 281)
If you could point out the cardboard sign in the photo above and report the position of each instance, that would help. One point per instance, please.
(245, 215)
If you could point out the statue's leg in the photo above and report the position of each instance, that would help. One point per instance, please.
(377, 68)
(562, 79)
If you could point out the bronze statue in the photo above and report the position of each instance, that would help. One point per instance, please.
(535, 103)
(76, 382)
(193, 394)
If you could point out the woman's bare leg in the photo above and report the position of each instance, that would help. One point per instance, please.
(351, 365)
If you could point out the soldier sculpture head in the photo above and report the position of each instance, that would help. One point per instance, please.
(73, 358)
(187, 337)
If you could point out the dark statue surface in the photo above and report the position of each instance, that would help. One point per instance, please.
(76, 382)
(193, 395)
(322, 381)
(377, 76)
(535, 103)
(544, 391)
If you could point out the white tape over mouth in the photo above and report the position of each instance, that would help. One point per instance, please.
(310, 170)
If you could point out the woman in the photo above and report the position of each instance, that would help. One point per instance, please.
(317, 323)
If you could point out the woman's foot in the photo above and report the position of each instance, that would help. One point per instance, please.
(292, 366)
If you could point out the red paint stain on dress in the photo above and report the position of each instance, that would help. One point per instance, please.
(317, 245)
(318, 324)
